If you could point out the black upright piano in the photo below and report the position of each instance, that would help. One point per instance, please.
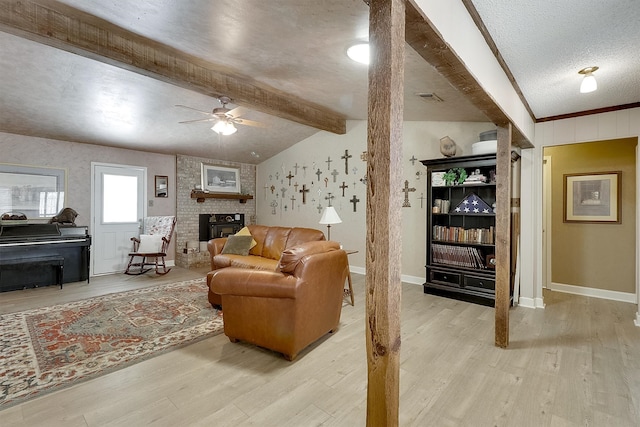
(33, 255)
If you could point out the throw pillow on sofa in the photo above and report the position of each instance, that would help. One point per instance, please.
(245, 232)
(237, 245)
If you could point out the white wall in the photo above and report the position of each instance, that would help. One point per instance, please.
(597, 127)
(420, 140)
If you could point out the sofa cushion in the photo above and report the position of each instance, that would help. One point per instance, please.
(249, 261)
(275, 242)
(237, 245)
(259, 233)
(300, 235)
(291, 257)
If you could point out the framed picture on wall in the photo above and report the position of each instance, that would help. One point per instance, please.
(220, 179)
(33, 191)
(592, 197)
(162, 186)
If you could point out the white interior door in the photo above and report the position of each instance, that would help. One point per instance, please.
(119, 200)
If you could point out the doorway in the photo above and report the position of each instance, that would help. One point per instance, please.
(118, 195)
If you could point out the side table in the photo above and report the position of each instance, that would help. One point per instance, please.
(349, 292)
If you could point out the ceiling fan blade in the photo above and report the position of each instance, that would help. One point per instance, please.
(237, 112)
(200, 120)
(250, 123)
(194, 109)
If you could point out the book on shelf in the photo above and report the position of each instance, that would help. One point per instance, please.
(460, 256)
(483, 236)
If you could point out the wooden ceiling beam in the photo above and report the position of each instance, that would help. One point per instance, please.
(429, 44)
(54, 24)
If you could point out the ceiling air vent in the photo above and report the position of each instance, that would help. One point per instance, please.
(429, 97)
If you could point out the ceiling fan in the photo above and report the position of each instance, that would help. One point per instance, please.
(225, 119)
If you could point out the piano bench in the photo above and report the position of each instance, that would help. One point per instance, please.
(56, 262)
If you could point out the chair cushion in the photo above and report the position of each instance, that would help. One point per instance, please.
(150, 243)
(291, 257)
(237, 245)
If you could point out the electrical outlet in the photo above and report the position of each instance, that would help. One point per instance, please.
(150, 203)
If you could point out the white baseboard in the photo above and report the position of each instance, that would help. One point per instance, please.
(594, 292)
(414, 280)
(637, 321)
(357, 270)
(530, 302)
(170, 263)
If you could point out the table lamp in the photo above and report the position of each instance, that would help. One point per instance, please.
(330, 216)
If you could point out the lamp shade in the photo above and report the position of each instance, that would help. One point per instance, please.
(330, 216)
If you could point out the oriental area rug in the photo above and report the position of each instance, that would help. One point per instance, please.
(46, 349)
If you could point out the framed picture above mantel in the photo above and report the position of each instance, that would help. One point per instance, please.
(593, 197)
(220, 179)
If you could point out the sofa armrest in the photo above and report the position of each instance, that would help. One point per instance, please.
(214, 246)
(253, 283)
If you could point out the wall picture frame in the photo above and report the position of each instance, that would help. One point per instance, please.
(593, 197)
(162, 186)
(37, 192)
(220, 179)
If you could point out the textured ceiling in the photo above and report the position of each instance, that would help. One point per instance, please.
(545, 43)
(298, 48)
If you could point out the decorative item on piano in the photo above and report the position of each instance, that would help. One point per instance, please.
(66, 216)
(13, 218)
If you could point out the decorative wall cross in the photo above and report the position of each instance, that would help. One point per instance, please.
(413, 160)
(318, 172)
(293, 200)
(319, 207)
(273, 187)
(354, 200)
(266, 187)
(273, 205)
(326, 182)
(304, 192)
(304, 171)
(284, 190)
(277, 175)
(296, 185)
(363, 156)
(343, 186)
(335, 173)
(406, 190)
(295, 167)
(289, 176)
(329, 197)
(328, 162)
(364, 179)
(346, 158)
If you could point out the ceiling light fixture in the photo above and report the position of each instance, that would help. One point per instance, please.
(224, 127)
(589, 83)
(359, 53)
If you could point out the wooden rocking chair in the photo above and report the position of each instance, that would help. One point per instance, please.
(151, 247)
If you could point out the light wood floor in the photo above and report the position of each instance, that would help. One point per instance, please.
(575, 363)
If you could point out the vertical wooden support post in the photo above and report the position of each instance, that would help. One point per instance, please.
(503, 236)
(384, 175)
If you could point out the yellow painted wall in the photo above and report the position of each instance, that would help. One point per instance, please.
(598, 256)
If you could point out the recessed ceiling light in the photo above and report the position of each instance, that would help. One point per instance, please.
(359, 53)
(589, 83)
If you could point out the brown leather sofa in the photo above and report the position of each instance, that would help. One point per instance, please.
(265, 255)
(287, 309)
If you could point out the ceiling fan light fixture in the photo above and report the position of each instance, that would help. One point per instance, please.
(589, 83)
(224, 127)
(359, 52)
